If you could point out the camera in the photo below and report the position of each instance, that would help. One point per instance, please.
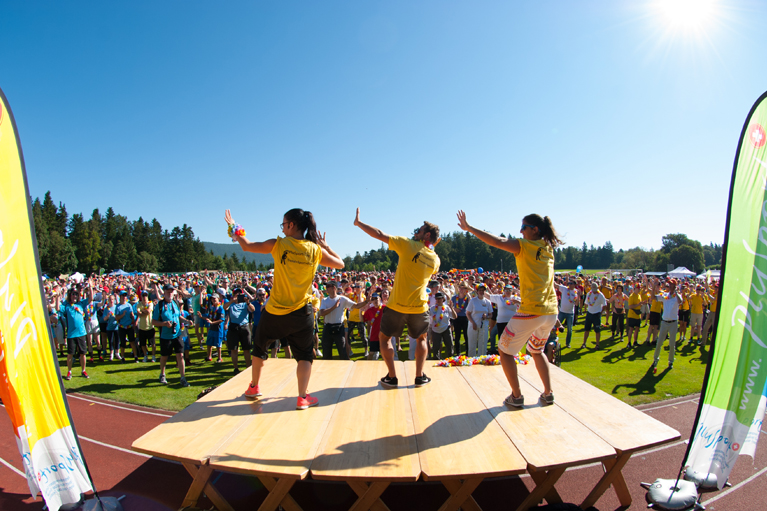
(561, 329)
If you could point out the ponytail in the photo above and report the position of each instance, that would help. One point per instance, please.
(546, 229)
(304, 220)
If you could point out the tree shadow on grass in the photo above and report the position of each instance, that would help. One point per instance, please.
(646, 384)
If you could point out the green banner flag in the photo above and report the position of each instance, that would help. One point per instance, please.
(733, 405)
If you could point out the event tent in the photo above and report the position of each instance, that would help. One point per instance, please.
(681, 272)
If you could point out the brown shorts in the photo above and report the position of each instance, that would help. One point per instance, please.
(393, 322)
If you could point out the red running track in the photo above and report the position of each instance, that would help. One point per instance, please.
(107, 430)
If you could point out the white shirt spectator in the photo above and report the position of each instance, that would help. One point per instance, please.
(478, 307)
(670, 306)
(440, 324)
(336, 316)
(506, 310)
(595, 301)
(569, 297)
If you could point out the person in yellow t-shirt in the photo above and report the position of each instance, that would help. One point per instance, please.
(289, 314)
(712, 297)
(656, 307)
(684, 312)
(408, 302)
(697, 302)
(537, 313)
(606, 290)
(634, 315)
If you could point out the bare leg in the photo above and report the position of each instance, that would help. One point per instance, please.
(510, 370)
(387, 352)
(255, 367)
(421, 352)
(180, 364)
(303, 373)
(542, 365)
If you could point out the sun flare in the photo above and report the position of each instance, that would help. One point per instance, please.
(688, 14)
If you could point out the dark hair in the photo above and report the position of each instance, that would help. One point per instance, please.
(304, 220)
(545, 228)
(433, 230)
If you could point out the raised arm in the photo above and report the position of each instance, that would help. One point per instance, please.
(329, 257)
(370, 230)
(258, 247)
(509, 245)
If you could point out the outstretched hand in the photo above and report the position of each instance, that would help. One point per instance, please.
(462, 223)
(321, 240)
(357, 218)
(228, 218)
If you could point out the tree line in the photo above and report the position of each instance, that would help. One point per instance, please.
(111, 241)
(463, 250)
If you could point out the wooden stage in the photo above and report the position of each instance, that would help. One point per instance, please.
(455, 430)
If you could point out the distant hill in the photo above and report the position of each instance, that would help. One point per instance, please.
(220, 249)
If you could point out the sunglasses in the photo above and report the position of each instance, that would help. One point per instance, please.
(524, 226)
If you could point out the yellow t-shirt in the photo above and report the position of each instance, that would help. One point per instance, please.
(145, 322)
(295, 263)
(696, 304)
(712, 302)
(417, 263)
(535, 264)
(657, 306)
(685, 305)
(607, 291)
(354, 314)
(634, 299)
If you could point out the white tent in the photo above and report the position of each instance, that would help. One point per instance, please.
(681, 272)
(715, 274)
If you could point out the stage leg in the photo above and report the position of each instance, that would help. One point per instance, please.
(360, 488)
(211, 492)
(287, 502)
(542, 489)
(460, 494)
(277, 493)
(553, 496)
(370, 496)
(612, 476)
(200, 475)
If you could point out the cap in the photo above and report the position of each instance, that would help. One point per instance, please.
(439, 295)
(375, 295)
(168, 287)
(144, 293)
(331, 283)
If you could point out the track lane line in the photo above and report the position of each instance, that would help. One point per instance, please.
(19, 472)
(119, 407)
(732, 489)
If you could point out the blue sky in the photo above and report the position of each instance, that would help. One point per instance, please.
(610, 117)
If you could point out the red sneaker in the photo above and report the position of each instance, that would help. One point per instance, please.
(305, 402)
(253, 392)
(68, 376)
(85, 374)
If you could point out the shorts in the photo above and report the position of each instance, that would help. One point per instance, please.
(92, 327)
(374, 346)
(525, 330)
(238, 336)
(170, 346)
(59, 332)
(696, 320)
(593, 321)
(146, 337)
(654, 318)
(297, 328)
(634, 322)
(199, 321)
(77, 346)
(187, 344)
(684, 315)
(644, 309)
(393, 323)
(214, 339)
(126, 333)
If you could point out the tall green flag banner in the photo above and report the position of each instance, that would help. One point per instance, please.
(30, 386)
(734, 396)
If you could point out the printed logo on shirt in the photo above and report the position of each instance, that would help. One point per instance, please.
(538, 254)
(416, 256)
(284, 259)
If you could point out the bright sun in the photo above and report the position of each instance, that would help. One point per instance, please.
(687, 14)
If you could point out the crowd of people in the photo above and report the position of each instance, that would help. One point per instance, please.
(310, 313)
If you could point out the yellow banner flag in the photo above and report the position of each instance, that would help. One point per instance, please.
(30, 386)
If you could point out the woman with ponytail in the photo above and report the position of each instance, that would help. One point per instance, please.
(288, 313)
(537, 314)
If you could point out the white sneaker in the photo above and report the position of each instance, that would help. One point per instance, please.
(153, 360)
(112, 356)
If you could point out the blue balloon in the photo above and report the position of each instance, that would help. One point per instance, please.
(480, 270)
(579, 268)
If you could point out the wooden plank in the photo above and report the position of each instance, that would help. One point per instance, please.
(619, 424)
(457, 437)
(542, 489)
(453, 486)
(361, 488)
(288, 503)
(547, 436)
(279, 440)
(192, 434)
(280, 490)
(201, 476)
(612, 476)
(371, 437)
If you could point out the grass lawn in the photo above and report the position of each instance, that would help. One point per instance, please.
(625, 374)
